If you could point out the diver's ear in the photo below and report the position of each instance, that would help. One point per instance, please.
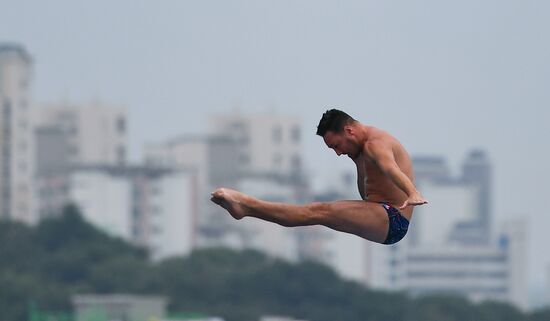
(349, 130)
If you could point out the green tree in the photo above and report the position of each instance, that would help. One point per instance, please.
(541, 315)
(64, 256)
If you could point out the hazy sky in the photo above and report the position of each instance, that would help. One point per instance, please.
(442, 76)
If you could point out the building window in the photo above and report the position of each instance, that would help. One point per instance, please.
(243, 139)
(136, 232)
(277, 160)
(121, 155)
(295, 134)
(71, 130)
(66, 117)
(155, 229)
(22, 146)
(244, 159)
(23, 82)
(73, 150)
(121, 125)
(237, 126)
(277, 134)
(296, 162)
(156, 210)
(22, 124)
(155, 190)
(7, 110)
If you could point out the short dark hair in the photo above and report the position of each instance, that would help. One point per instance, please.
(333, 120)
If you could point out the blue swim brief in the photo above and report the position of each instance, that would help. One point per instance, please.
(399, 225)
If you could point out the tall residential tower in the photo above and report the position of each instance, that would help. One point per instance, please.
(16, 166)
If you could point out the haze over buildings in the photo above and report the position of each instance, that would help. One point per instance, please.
(444, 77)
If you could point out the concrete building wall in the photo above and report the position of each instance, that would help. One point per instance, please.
(449, 205)
(173, 215)
(269, 143)
(513, 239)
(118, 307)
(479, 274)
(52, 150)
(96, 133)
(104, 200)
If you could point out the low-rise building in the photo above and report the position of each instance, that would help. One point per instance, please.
(118, 307)
(147, 206)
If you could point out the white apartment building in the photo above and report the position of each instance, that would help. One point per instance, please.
(149, 207)
(88, 134)
(16, 144)
(174, 216)
(104, 201)
(268, 143)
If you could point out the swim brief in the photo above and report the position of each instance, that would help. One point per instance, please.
(399, 225)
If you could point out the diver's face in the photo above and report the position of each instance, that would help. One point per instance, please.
(343, 143)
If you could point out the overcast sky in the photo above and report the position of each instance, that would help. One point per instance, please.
(442, 76)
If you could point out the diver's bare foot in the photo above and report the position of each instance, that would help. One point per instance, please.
(230, 200)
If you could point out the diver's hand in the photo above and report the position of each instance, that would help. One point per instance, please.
(414, 200)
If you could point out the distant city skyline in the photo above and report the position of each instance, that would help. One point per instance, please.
(442, 77)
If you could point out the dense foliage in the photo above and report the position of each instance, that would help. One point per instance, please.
(46, 264)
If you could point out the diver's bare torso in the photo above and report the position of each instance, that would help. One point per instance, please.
(373, 184)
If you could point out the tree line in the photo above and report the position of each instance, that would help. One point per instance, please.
(45, 265)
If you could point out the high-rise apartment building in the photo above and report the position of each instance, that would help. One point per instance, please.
(80, 134)
(16, 144)
(267, 144)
